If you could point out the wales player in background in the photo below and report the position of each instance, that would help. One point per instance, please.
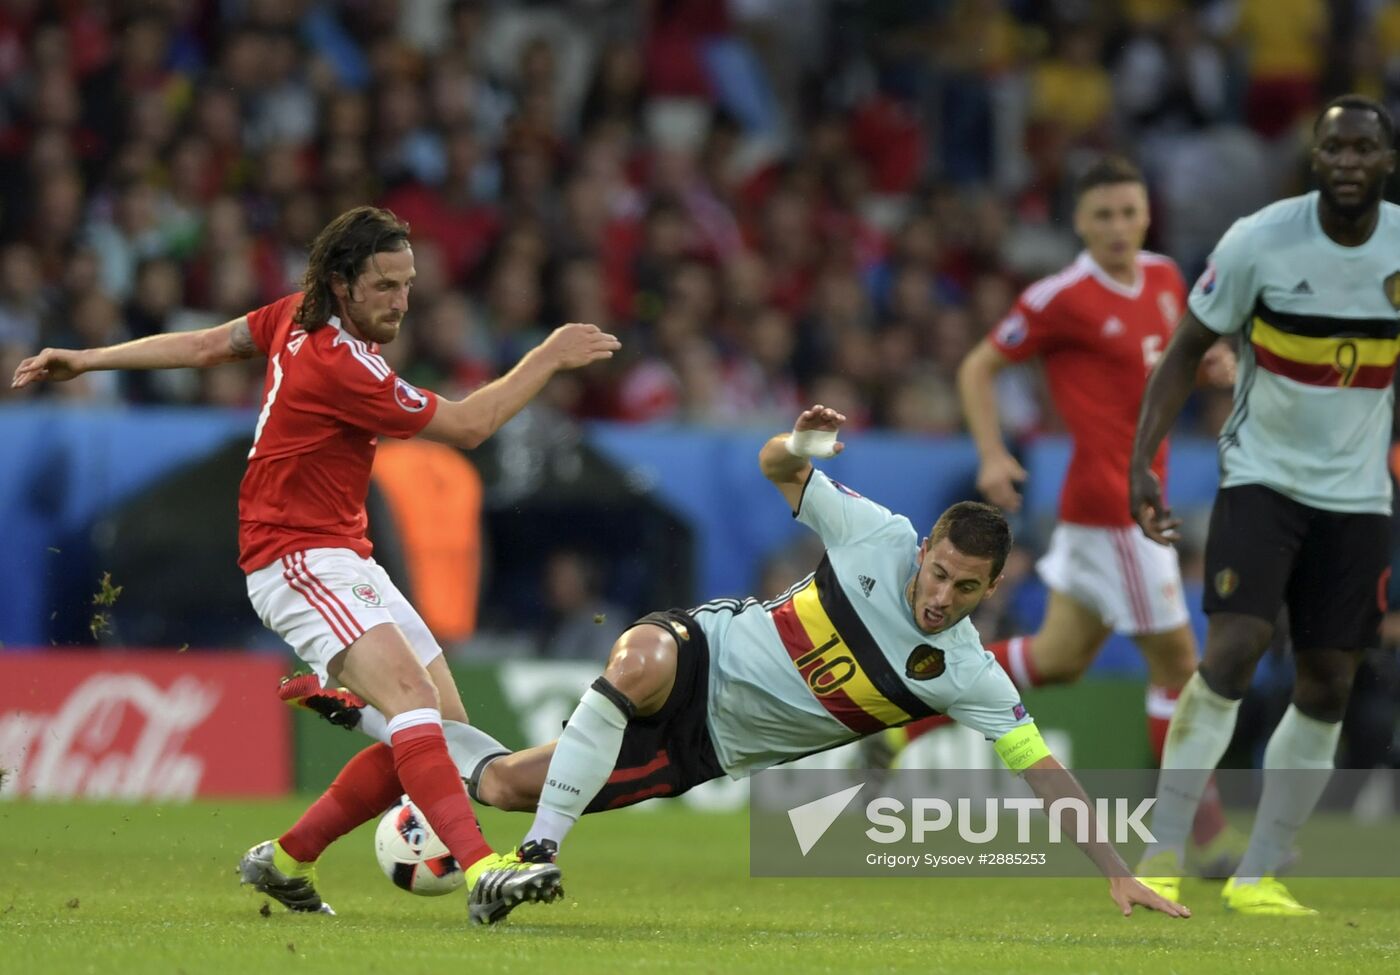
(1312, 287)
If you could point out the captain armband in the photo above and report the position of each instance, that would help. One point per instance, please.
(1022, 747)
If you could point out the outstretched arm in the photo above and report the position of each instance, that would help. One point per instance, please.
(786, 459)
(228, 342)
(1171, 382)
(468, 422)
(1050, 781)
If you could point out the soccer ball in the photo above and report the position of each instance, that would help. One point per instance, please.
(412, 856)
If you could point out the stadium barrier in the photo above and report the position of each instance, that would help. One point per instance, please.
(142, 725)
(165, 725)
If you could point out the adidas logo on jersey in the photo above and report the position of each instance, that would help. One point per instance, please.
(1112, 327)
(866, 584)
(1302, 288)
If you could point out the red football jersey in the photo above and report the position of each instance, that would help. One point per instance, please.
(1099, 340)
(326, 399)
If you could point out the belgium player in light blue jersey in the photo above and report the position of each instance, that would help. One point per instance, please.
(1311, 285)
(878, 635)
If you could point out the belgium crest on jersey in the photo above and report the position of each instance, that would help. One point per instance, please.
(925, 663)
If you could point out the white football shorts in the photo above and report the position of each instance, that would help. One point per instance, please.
(1133, 583)
(324, 599)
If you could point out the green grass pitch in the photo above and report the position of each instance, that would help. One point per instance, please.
(142, 888)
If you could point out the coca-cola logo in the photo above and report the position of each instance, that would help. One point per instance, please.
(116, 735)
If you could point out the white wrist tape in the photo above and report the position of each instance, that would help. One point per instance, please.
(812, 443)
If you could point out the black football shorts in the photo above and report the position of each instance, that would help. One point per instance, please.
(669, 752)
(1330, 568)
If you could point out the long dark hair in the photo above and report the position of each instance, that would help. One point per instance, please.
(342, 248)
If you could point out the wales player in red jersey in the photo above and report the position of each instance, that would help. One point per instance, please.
(327, 397)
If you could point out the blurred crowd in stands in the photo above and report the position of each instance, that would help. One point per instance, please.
(771, 202)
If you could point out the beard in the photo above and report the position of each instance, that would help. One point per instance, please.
(385, 330)
(382, 330)
(1353, 211)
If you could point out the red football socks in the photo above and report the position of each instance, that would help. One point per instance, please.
(1014, 655)
(433, 783)
(1161, 705)
(365, 787)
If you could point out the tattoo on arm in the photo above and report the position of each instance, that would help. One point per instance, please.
(240, 342)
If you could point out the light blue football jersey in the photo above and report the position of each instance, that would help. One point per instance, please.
(838, 656)
(1320, 331)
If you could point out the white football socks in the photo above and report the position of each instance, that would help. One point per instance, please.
(468, 745)
(373, 723)
(1298, 743)
(1200, 732)
(470, 748)
(583, 759)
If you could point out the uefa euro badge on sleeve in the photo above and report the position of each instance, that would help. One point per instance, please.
(1392, 290)
(411, 399)
(925, 663)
